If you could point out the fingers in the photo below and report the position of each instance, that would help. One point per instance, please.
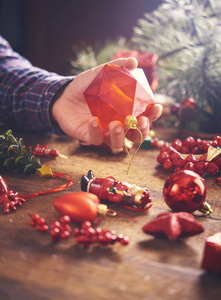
(95, 134)
(116, 136)
(129, 63)
(155, 112)
(138, 136)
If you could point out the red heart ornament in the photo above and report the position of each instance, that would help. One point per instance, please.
(79, 206)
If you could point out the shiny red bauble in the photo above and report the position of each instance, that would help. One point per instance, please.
(184, 191)
(79, 206)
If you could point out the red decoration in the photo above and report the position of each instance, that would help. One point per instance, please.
(85, 235)
(202, 156)
(186, 191)
(61, 229)
(146, 61)
(88, 235)
(212, 254)
(128, 195)
(116, 93)
(39, 223)
(8, 198)
(43, 150)
(173, 225)
(79, 206)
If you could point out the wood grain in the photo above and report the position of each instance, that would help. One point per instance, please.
(32, 267)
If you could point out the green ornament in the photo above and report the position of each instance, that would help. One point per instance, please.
(15, 156)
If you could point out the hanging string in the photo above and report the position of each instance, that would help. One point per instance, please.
(131, 123)
(55, 189)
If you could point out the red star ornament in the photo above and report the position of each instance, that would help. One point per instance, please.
(116, 93)
(173, 226)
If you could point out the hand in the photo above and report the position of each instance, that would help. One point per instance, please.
(71, 112)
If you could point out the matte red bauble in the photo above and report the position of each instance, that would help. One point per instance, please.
(79, 206)
(185, 191)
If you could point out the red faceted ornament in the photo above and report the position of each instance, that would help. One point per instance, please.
(79, 206)
(186, 191)
(173, 225)
(116, 93)
(146, 61)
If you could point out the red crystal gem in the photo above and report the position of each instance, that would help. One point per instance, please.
(116, 93)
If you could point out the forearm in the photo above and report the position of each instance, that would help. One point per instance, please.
(26, 92)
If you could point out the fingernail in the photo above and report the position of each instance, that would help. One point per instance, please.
(144, 125)
(94, 123)
(118, 129)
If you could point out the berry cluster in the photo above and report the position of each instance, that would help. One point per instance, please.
(39, 223)
(61, 229)
(87, 235)
(171, 157)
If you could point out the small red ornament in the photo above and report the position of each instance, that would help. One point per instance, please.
(87, 235)
(80, 206)
(212, 254)
(116, 93)
(173, 225)
(39, 223)
(128, 195)
(61, 229)
(200, 156)
(186, 191)
(8, 198)
(44, 150)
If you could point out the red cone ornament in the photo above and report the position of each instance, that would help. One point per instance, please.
(79, 206)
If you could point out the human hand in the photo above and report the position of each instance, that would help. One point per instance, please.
(72, 114)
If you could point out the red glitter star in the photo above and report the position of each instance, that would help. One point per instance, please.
(173, 225)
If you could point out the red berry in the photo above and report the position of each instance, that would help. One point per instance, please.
(55, 224)
(55, 232)
(64, 234)
(33, 223)
(41, 221)
(35, 217)
(65, 220)
(44, 228)
(125, 240)
(75, 231)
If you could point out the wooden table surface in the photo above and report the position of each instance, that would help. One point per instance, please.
(32, 267)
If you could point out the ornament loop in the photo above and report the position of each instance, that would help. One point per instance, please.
(131, 123)
(206, 209)
(102, 209)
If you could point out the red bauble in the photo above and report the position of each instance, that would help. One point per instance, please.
(79, 206)
(184, 191)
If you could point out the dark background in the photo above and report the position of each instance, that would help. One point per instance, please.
(45, 31)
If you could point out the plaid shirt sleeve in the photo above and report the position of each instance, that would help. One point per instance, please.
(26, 92)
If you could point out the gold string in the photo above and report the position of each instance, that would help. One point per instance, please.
(131, 123)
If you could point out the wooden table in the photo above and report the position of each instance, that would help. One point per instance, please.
(32, 267)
